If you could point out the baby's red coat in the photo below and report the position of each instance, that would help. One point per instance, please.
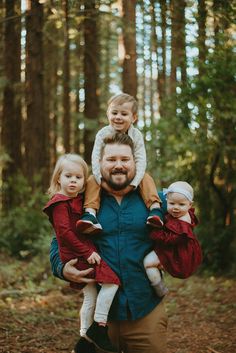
(177, 247)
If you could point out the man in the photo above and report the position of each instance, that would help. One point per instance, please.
(137, 317)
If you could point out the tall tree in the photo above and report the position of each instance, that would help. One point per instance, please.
(36, 134)
(178, 49)
(66, 82)
(160, 62)
(2, 15)
(11, 117)
(53, 37)
(129, 76)
(91, 60)
(162, 74)
(202, 132)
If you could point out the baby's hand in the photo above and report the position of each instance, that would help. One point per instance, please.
(94, 258)
(186, 218)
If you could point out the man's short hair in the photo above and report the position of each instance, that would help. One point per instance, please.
(118, 138)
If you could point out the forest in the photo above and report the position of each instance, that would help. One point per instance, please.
(61, 61)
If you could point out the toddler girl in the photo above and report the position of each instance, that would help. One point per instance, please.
(176, 247)
(122, 114)
(64, 209)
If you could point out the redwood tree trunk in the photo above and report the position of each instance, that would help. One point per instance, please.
(66, 83)
(178, 50)
(11, 117)
(36, 139)
(129, 77)
(91, 60)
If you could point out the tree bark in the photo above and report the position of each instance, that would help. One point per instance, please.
(178, 50)
(91, 61)
(129, 76)
(161, 67)
(11, 117)
(36, 138)
(66, 83)
(51, 49)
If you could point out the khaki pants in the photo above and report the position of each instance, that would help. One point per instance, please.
(145, 335)
(147, 188)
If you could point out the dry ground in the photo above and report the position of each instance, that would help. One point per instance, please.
(44, 319)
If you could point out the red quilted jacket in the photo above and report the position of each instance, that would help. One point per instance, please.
(177, 247)
(63, 213)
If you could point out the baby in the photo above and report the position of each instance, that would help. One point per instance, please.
(176, 247)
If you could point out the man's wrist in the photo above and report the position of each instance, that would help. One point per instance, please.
(60, 268)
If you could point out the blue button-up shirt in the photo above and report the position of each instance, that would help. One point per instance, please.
(123, 245)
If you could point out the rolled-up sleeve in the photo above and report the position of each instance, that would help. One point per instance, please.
(56, 263)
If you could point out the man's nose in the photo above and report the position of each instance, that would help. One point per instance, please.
(118, 164)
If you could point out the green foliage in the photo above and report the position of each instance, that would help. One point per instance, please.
(201, 150)
(24, 229)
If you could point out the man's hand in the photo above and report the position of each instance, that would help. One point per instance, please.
(71, 273)
(94, 258)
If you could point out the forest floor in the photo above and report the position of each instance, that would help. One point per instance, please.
(40, 315)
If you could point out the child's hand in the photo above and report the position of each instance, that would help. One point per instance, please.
(94, 258)
(186, 218)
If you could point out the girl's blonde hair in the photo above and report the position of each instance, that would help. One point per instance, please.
(69, 157)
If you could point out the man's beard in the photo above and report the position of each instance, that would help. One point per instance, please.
(114, 185)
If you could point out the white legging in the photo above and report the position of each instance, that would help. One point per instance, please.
(150, 262)
(96, 305)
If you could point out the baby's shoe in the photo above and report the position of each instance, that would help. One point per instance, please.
(88, 224)
(155, 218)
(98, 335)
(161, 289)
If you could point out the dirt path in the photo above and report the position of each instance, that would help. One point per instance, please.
(202, 318)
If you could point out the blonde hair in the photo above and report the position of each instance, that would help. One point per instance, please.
(69, 157)
(122, 98)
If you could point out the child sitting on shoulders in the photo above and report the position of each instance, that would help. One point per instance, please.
(122, 114)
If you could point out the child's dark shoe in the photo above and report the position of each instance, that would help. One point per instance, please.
(88, 224)
(84, 346)
(155, 218)
(98, 335)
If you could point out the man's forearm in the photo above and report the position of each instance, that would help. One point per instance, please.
(56, 264)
